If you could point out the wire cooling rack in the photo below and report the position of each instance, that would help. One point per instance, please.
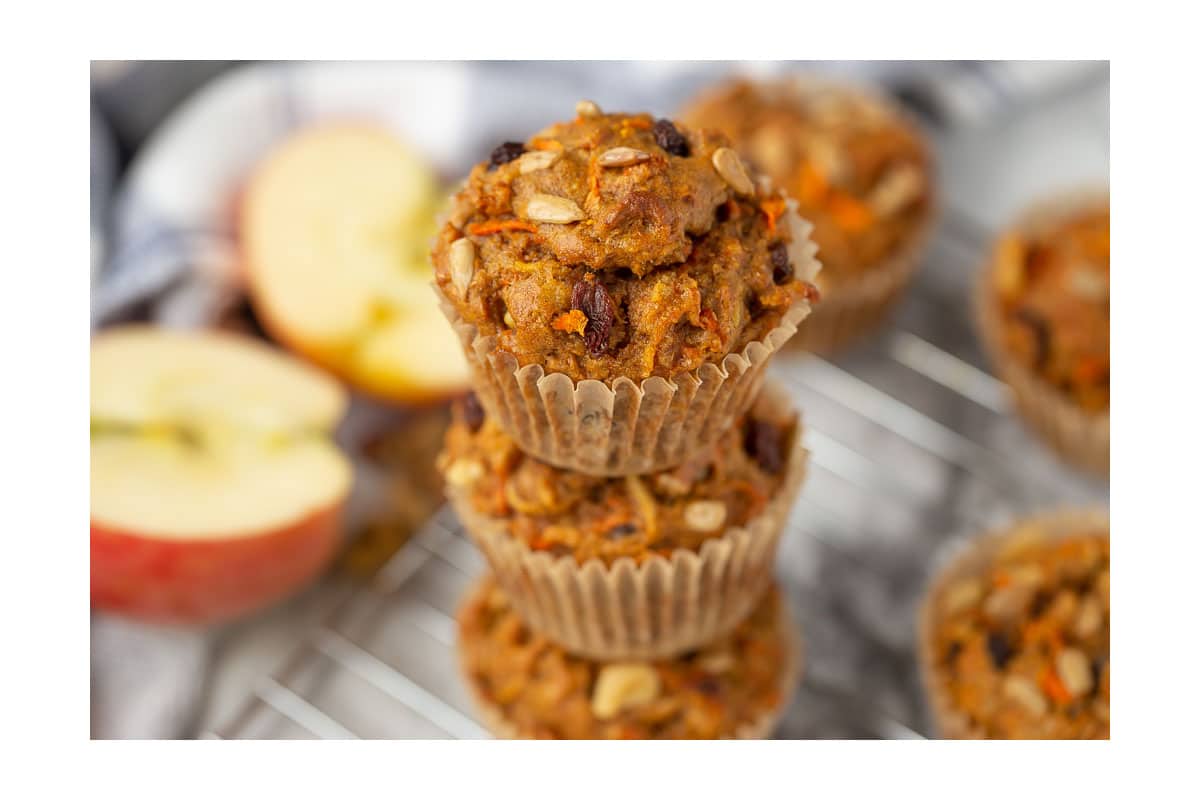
(913, 445)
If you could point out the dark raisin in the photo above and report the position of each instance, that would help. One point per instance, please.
(1041, 601)
(999, 649)
(780, 263)
(621, 531)
(509, 151)
(592, 299)
(764, 443)
(670, 139)
(472, 411)
(708, 685)
(1040, 330)
(952, 651)
(689, 655)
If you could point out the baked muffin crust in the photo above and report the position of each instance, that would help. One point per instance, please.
(1021, 647)
(1050, 283)
(564, 512)
(721, 690)
(860, 173)
(619, 245)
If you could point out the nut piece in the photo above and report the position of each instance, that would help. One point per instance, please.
(462, 264)
(1074, 671)
(550, 208)
(1026, 693)
(535, 160)
(717, 663)
(899, 187)
(1088, 619)
(464, 472)
(731, 170)
(586, 108)
(623, 686)
(622, 157)
(508, 319)
(961, 595)
(704, 515)
(1007, 603)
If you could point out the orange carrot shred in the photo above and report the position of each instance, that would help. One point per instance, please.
(773, 208)
(498, 225)
(1053, 686)
(573, 321)
(850, 214)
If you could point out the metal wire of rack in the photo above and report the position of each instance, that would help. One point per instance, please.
(913, 446)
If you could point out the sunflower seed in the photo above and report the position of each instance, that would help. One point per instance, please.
(622, 157)
(549, 208)
(464, 472)
(898, 188)
(731, 170)
(1075, 671)
(536, 160)
(704, 515)
(623, 686)
(462, 264)
(586, 108)
(1023, 691)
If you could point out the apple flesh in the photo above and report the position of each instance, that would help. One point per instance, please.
(215, 486)
(335, 231)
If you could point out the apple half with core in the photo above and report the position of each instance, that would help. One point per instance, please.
(335, 231)
(216, 488)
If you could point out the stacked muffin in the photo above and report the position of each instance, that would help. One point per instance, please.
(619, 284)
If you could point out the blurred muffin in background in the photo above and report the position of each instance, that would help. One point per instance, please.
(525, 687)
(1014, 639)
(666, 560)
(861, 174)
(1043, 308)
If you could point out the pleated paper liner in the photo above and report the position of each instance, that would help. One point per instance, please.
(1079, 437)
(621, 427)
(658, 608)
(492, 716)
(964, 559)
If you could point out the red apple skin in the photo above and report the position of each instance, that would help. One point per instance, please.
(210, 580)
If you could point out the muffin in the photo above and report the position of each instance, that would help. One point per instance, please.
(1043, 309)
(619, 283)
(636, 566)
(734, 687)
(862, 175)
(1014, 633)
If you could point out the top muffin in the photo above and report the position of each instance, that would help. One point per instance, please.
(859, 171)
(1050, 284)
(620, 245)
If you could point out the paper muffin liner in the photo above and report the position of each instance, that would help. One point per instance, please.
(619, 427)
(656, 609)
(493, 719)
(965, 558)
(1078, 436)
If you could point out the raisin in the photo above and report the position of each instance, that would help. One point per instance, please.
(621, 531)
(708, 685)
(952, 651)
(670, 139)
(780, 263)
(1041, 601)
(472, 412)
(592, 299)
(764, 443)
(1040, 331)
(509, 151)
(999, 649)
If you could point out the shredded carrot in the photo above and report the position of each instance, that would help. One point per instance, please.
(850, 214)
(757, 498)
(498, 225)
(637, 123)
(573, 321)
(708, 321)
(1053, 686)
(546, 144)
(773, 208)
(810, 292)
(1089, 370)
(811, 185)
(1001, 579)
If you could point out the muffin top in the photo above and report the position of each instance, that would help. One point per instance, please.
(546, 693)
(621, 245)
(860, 172)
(1050, 284)
(1021, 645)
(563, 512)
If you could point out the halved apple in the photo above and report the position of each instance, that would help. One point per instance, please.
(216, 488)
(335, 232)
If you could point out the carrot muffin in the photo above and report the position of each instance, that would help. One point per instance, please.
(861, 174)
(1015, 634)
(526, 687)
(645, 550)
(1045, 297)
(620, 248)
